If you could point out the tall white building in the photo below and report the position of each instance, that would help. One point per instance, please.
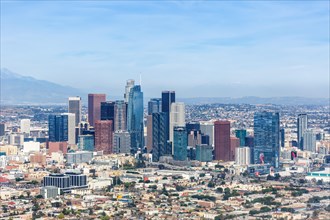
(71, 128)
(25, 126)
(309, 140)
(177, 117)
(75, 108)
(243, 156)
(129, 84)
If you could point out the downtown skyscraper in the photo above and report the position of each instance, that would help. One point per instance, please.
(62, 128)
(267, 138)
(74, 107)
(222, 140)
(135, 118)
(301, 128)
(168, 97)
(94, 107)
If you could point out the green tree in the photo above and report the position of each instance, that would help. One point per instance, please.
(61, 216)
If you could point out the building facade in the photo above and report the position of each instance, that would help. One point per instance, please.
(74, 107)
(301, 128)
(94, 107)
(266, 138)
(180, 143)
(222, 140)
(103, 136)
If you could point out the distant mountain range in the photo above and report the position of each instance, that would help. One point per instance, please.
(18, 89)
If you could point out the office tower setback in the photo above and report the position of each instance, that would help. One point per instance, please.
(241, 134)
(266, 138)
(243, 156)
(168, 97)
(301, 128)
(121, 142)
(180, 143)
(25, 126)
(86, 142)
(207, 128)
(129, 84)
(234, 143)
(120, 116)
(222, 140)
(154, 106)
(62, 128)
(94, 107)
(309, 140)
(135, 118)
(103, 136)
(177, 117)
(204, 153)
(75, 108)
(159, 141)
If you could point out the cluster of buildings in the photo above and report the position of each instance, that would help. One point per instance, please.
(139, 156)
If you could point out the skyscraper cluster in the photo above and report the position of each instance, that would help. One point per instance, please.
(117, 126)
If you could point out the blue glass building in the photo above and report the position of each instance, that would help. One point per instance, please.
(58, 128)
(266, 138)
(159, 139)
(135, 118)
(180, 143)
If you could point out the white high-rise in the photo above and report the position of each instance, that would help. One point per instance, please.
(243, 156)
(71, 128)
(129, 84)
(75, 108)
(25, 126)
(177, 117)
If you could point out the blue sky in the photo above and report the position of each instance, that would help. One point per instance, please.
(197, 48)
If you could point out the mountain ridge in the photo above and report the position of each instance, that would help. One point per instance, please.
(19, 89)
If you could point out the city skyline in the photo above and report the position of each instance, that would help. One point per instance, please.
(222, 48)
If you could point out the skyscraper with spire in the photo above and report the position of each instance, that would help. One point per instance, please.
(135, 118)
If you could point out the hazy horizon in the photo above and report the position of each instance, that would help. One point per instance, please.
(198, 49)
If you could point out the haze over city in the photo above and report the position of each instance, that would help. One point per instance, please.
(197, 48)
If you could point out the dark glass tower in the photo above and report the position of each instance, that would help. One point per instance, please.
(159, 141)
(135, 118)
(168, 97)
(180, 143)
(266, 138)
(108, 112)
(58, 128)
